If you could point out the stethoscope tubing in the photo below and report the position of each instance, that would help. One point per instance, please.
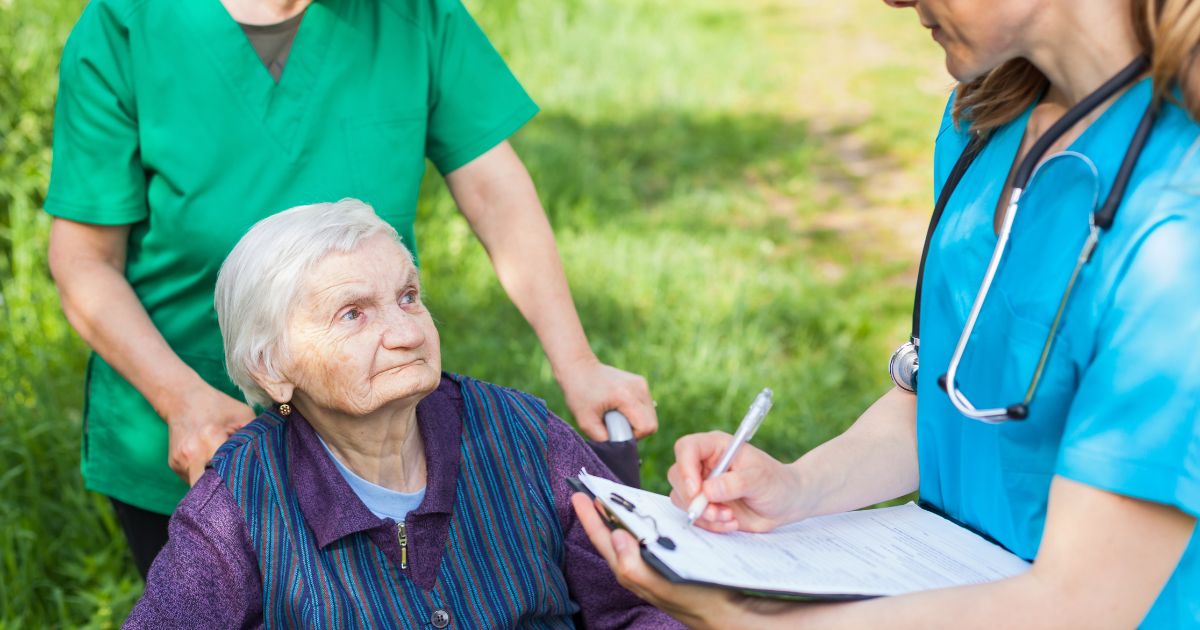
(960, 401)
(1098, 221)
(998, 415)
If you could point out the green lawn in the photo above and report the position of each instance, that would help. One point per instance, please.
(738, 189)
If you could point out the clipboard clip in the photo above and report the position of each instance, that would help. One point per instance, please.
(663, 541)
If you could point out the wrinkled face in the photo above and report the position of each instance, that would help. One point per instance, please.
(977, 35)
(360, 337)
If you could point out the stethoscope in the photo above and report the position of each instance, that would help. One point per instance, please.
(904, 363)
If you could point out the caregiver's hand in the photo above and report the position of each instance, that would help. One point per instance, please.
(696, 606)
(199, 421)
(592, 388)
(757, 493)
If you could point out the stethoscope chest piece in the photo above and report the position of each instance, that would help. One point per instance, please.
(903, 366)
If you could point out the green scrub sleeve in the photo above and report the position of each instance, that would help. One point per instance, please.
(97, 175)
(475, 102)
(1134, 426)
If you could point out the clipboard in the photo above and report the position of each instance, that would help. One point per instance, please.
(614, 522)
(945, 544)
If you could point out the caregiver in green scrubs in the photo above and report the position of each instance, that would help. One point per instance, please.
(180, 123)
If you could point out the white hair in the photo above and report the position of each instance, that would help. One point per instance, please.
(262, 278)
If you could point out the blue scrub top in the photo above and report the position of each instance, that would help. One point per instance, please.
(1117, 405)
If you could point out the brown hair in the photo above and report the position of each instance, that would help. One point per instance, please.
(1167, 30)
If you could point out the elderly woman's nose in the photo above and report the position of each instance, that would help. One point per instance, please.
(401, 329)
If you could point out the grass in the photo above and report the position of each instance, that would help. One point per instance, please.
(734, 184)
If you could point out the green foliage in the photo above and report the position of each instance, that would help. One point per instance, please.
(62, 558)
(708, 169)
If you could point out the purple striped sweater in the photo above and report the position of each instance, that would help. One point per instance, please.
(273, 536)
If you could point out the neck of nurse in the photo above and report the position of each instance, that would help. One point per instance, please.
(383, 446)
(1079, 46)
(264, 11)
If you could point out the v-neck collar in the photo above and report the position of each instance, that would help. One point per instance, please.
(281, 107)
(1095, 140)
(333, 511)
(999, 156)
(1006, 144)
(1003, 148)
(1137, 94)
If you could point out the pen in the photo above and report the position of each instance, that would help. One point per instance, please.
(745, 431)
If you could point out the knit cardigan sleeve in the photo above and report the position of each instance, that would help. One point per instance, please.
(207, 574)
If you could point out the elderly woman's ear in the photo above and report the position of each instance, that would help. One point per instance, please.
(278, 387)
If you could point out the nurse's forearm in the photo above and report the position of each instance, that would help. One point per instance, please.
(497, 196)
(1013, 603)
(1103, 561)
(874, 460)
(87, 262)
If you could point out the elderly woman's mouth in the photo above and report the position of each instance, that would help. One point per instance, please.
(400, 367)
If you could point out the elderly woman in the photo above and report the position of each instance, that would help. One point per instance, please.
(374, 491)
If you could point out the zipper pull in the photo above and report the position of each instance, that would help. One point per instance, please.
(402, 534)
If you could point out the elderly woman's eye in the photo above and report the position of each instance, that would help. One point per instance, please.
(409, 297)
(351, 314)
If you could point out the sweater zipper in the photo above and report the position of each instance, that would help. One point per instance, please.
(402, 535)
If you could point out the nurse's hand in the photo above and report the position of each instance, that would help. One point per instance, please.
(696, 606)
(199, 421)
(757, 493)
(592, 388)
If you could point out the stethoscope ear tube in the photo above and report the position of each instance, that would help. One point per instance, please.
(1019, 411)
(1107, 213)
(949, 383)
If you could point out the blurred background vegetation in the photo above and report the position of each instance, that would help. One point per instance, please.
(739, 189)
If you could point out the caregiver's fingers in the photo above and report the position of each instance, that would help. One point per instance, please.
(695, 456)
(632, 571)
(715, 518)
(618, 548)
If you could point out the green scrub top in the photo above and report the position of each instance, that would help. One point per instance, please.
(1117, 407)
(168, 121)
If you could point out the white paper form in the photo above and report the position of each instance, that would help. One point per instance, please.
(886, 551)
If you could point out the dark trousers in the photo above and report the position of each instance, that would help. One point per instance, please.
(146, 532)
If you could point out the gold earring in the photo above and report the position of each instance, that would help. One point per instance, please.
(285, 409)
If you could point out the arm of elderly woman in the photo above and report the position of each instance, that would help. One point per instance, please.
(207, 575)
(603, 603)
(497, 196)
(1103, 560)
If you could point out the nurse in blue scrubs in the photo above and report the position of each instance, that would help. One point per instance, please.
(1058, 407)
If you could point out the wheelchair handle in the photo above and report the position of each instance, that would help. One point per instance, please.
(619, 429)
